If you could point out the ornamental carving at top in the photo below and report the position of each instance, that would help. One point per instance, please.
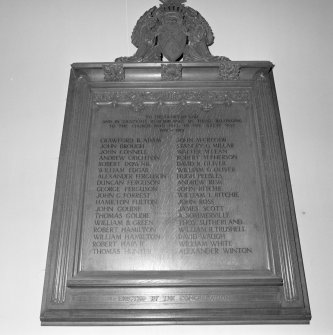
(173, 31)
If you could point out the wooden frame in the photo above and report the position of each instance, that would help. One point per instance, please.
(274, 294)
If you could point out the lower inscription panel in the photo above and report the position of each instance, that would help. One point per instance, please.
(173, 187)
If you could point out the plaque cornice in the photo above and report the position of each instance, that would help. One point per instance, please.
(153, 72)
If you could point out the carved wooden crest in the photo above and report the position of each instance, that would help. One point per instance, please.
(173, 31)
(172, 38)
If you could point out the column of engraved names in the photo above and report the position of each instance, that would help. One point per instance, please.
(208, 224)
(125, 193)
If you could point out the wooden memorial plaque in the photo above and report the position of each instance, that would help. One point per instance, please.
(173, 201)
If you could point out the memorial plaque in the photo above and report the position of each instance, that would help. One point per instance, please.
(173, 202)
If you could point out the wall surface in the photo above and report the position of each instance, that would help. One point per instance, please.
(40, 39)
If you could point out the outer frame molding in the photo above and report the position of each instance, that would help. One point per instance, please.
(72, 297)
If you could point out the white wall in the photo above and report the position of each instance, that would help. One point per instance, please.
(39, 40)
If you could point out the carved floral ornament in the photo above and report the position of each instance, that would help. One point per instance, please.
(139, 100)
(171, 72)
(229, 71)
(114, 72)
